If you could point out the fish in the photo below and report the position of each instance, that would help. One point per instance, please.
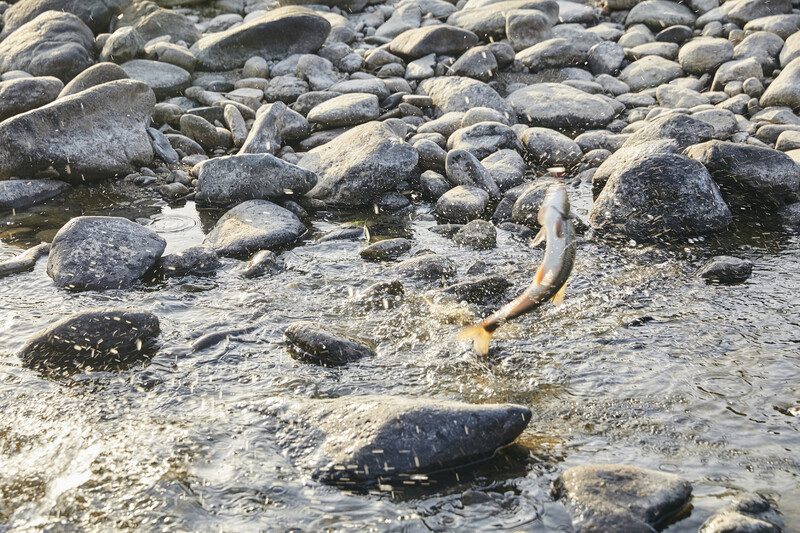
(550, 281)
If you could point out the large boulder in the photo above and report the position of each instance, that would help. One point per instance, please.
(763, 175)
(254, 225)
(24, 94)
(97, 253)
(660, 197)
(455, 93)
(560, 107)
(360, 165)
(94, 13)
(236, 178)
(53, 44)
(274, 35)
(338, 440)
(95, 337)
(95, 134)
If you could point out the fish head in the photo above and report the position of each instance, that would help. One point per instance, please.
(555, 205)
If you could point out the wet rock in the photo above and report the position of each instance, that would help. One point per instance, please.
(446, 230)
(650, 71)
(92, 76)
(550, 148)
(25, 261)
(98, 253)
(197, 260)
(747, 513)
(20, 95)
(785, 89)
(660, 197)
(19, 194)
(433, 185)
(412, 436)
(705, 54)
(381, 295)
(483, 139)
(316, 345)
(426, 267)
(560, 107)
(359, 165)
(726, 269)
(166, 80)
(275, 35)
(506, 167)
(386, 250)
(254, 225)
(262, 263)
(52, 44)
(478, 234)
(96, 337)
(526, 207)
(80, 136)
(625, 155)
(95, 13)
(456, 93)
(431, 155)
(441, 39)
(234, 179)
(763, 175)
(485, 290)
(621, 498)
(345, 110)
(462, 203)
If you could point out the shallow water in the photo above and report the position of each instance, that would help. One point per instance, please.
(644, 364)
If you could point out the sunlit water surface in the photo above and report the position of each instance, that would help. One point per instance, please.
(644, 365)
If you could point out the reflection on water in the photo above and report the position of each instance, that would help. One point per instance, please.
(644, 364)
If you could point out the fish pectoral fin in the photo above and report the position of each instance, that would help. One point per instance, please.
(539, 237)
(558, 298)
(479, 336)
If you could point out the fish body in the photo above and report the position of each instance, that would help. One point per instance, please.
(551, 277)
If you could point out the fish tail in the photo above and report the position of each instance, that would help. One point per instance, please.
(479, 336)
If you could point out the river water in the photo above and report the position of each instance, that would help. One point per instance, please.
(644, 364)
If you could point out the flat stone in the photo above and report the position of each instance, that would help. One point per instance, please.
(726, 269)
(99, 338)
(166, 80)
(660, 14)
(441, 39)
(559, 107)
(552, 53)
(650, 71)
(314, 344)
(425, 267)
(20, 95)
(386, 250)
(19, 194)
(254, 225)
(92, 76)
(345, 110)
(98, 253)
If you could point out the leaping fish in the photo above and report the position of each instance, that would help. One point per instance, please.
(551, 277)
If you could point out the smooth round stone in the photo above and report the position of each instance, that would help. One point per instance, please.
(386, 250)
(726, 269)
(166, 80)
(650, 71)
(705, 54)
(552, 105)
(462, 203)
(659, 14)
(440, 39)
(345, 110)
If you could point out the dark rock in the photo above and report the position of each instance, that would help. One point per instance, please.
(506, 167)
(481, 291)
(526, 207)
(317, 345)
(463, 168)
(431, 155)
(193, 260)
(123, 45)
(428, 267)
(81, 136)
(274, 35)
(266, 133)
(621, 498)
(92, 76)
(104, 338)
(686, 131)
(386, 250)
(726, 269)
(24, 261)
(234, 179)
(549, 148)
(764, 175)
(52, 44)
(166, 80)
(462, 203)
(560, 107)
(162, 148)
(98, 253)
(24, 94)
(19, 194)
(478, 63)
(478, 234)
(440, 39)
(747, 513)
(483, 139)
(345, 110)
(791, 216)
(254, 225)
(625, 155)
(94, 13)
(381, 295)
(433, 185)
(446, 230)
(660, 197)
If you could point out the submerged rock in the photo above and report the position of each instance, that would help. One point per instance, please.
(196, 260)
(726, 269)
(98, 253)
(263, 262)
(429, 266)
(24, 261)
(365, 439)
(96, 337)
(318, 346)
(386, 250)
(747, 513)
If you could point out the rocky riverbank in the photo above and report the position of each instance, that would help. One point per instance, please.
(680, 115)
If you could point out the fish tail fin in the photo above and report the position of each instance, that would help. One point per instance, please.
(479, 336)
(558, 298)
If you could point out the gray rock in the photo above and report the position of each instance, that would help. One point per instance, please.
(433, 185)
(162, 147)
(263, 262)
(386, 250)
(549, 148)
(317, 71)
(381, 295)
(478, 234)
(483, 114)
(650, 71)
(762, 175)
(123, 45)
(337, 442)
(527, 27)
(95, 13)
(782, 26)
(166, 80)
(552, 53)
(526, 207)
(81, 135)
(626, 155)
(316, 345)
(265, 135)
(405, 17)
(345, 110)
(747, 513)
(659, 14)
(254, 225)
(744, 11)
(686, 131)
(441, 39)
(431, 155)
(236, 123)
(455, 93)
(481, 291)
(762, 45)
(659, 197)
(560, 107)
(52, 44)
(737, 70)
(200, 130)
(277, 34)
(92, 76)
(156, 22)
(422, 68)
(785, 89)
(374, 86)
(445, 125)
(605, 58)
(723, 121)
(25, 261)
(19, 194)
(24, 94)
(185, 145)
(489, 22)
(790, 50)
(705, 54)
(234, 179)
(197, 260)
(462, 203)
(483, 138)
(425, 267)
(506, 167)
(99, 338)
(285, 89)
(463, 168)
(726, 269)
(359, 165)
(674, 96)
(479, 63)
(621, 498)
(98, 253)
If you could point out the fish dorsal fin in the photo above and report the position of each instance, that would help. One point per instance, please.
(539, 237)
(558, 298)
